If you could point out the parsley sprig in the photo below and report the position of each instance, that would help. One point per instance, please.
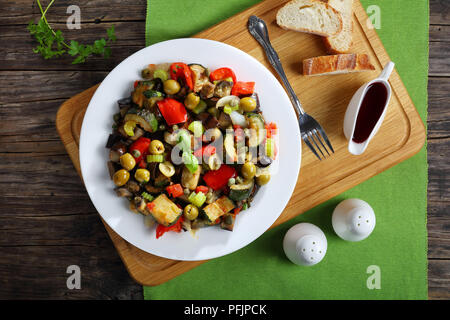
(51, 43)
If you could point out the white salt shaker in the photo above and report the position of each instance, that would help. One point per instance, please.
(353, 220)
(305, 244)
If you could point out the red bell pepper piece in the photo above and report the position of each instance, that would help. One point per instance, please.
(243, 88)
(172, 110)
(175, 190)
(217, 179)
(181, 71)
(203, 189)
(150, 206)
(139, 148)
(207, 151)
(160, 229)
(221, 74)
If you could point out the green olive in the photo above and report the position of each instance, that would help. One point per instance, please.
(142, 175)
(127, 161)
(263, 179)
(191, 101)
(191, 212)
(248, 104)
(171, 86)
(248, 170)
(167, 168)
(146, 73)
(156, 147)
(121, 177)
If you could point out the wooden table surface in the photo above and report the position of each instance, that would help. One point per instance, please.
(46, 225)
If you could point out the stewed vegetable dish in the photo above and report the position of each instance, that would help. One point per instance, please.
(190, 148)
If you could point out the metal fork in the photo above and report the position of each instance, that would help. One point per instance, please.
(311, 131)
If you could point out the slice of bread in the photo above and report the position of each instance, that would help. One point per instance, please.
(337, 64)
(311, 16)
(342, 42)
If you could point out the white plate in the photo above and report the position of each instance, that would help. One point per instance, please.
(209, 242)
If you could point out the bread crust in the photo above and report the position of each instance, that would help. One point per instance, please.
(306, 30)
(340, 63)
(328, 42)
(332, 50)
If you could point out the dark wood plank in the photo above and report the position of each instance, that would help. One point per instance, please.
(439, 59)
(439, 12)
(16, 46)
(47, 225)
(439, 279)
(22, 11)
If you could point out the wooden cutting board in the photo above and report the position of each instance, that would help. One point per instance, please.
(326, 98)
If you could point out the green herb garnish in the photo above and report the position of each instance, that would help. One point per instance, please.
(51, 43)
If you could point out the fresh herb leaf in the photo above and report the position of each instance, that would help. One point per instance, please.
(51, 43)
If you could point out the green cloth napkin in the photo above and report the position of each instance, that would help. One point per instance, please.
(398, 245)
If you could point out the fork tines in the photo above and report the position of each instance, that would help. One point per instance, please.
(316, 136)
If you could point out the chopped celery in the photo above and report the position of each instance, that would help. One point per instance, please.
(155, 158)
(229, 109)
(147, 196)
(190, 161)
(161, 74)
(196, 127)
(200, 107)
(197, 199)
(270, 147)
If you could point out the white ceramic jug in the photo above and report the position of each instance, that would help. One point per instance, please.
(354, 108)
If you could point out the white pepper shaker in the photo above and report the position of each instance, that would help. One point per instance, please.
(353, 220)
(305, 244)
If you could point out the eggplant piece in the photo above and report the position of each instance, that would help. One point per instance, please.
(124, 103)
(199, 75)
(264, 161)
(117, 150)
(138, 132)
(224, 121)
(207, 90)
(113, 139)
(112, 168)
(123, 192)
(203, 117)
(223, 88)
(152, 189)
(258, 105)
(211, 123)
(133, 186)
(227, 222)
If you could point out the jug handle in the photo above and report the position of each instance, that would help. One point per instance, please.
(386, 73)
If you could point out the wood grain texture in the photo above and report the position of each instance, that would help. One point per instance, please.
(402, 122)
(36, 269)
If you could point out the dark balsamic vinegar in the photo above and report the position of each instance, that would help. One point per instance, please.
(370, 111)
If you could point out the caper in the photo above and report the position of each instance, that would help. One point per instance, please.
(171, 86)
(121, 177)
(142, 175)
(127, 161)
(263, 179)
(190, 212)
(191, 101)
(156, 147)
(248, 170)
(248, 104)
